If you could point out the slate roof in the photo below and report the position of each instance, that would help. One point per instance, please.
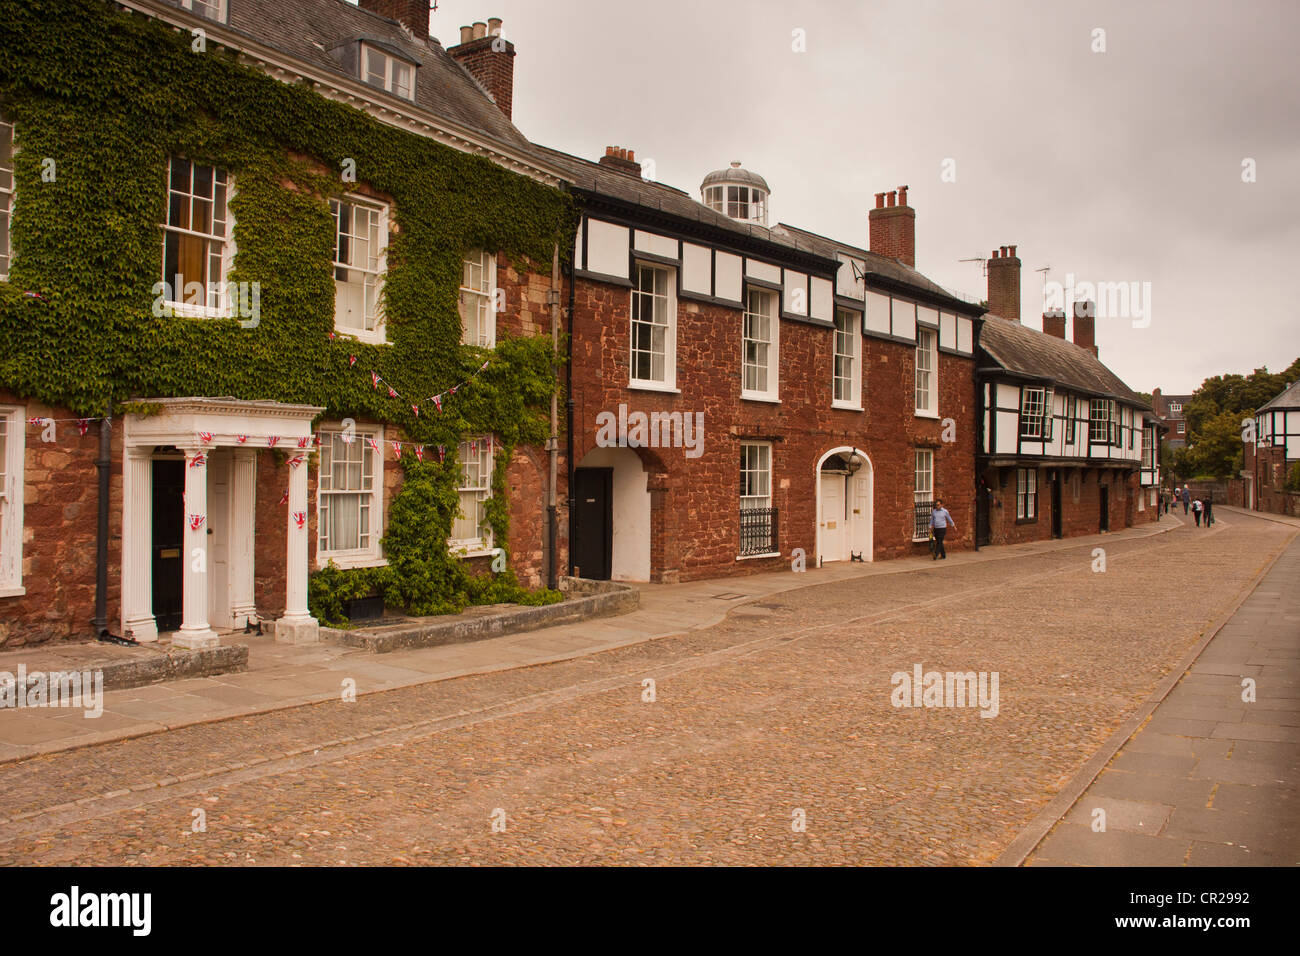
(592, 177)
(1025, 351)
(307, 30)
(1288, 398)
(876, 264)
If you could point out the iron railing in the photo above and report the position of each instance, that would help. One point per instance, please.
(758, 530)
(921, 520)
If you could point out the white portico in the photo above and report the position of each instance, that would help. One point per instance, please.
(206, 564)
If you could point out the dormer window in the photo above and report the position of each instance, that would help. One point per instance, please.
(387, 72)
(211, 9)
(742, 203)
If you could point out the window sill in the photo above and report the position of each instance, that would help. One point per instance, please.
(188, 310)
(360, 335)
(847, 406)
(466, 551)
(636, 386)
(759, 397)
(17, 591)
(920, 540)
(919, 413)
(765, 554)
(347, 560)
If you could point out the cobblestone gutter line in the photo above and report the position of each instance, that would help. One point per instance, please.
(46, 820)
(1022, 846)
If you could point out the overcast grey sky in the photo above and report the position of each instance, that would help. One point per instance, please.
(1124, 165)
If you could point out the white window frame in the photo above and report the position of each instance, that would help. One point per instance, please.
(372, 554)
(7, 201)
(1037, 412)
(737, 201)
(1099, 412)
(755, 488)
(849, 336)
(392, 70)
(478, 489)
(217, 301)
(927, 344)
(373, 272)
(1175, 408)
(922, 484)
(665, 304)
(219, 16)
(772, 344)
(1026, 494)
(12, 452)
(481, 298)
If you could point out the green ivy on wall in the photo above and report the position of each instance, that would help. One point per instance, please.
(109, 96)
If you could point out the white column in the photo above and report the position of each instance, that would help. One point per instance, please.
(243, 503)
(137, 546)
(195, 631)
(297, 626)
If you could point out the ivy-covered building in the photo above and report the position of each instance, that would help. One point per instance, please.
(275, 286)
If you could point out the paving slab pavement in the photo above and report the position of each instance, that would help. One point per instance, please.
(286, 675)
(1213, 776)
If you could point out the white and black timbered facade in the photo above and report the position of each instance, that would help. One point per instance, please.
(1277, 422)
(1057, 427)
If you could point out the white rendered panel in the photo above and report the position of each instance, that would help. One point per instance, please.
(947, 330)
(795, 299)
(697, 269)
(848, 281)
(656, 245)
(762, 270)
(904, 319)
(964, 334)
(877, 316)
(728, 276)
(823, 298)
(607, 252)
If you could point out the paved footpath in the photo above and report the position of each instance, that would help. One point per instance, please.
(281, 676)
(1212, 777)
(772, 736)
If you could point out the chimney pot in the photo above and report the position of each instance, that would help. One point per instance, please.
(480, 29)
(492, 63)
(892, 227)
(631, 156)
(609, 150)
(1013, 251)
(494, 26)
(466, 34)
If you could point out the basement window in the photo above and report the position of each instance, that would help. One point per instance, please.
(387, 72)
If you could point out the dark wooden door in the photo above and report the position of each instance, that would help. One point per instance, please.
(1056, 507)
(168, 542)
(983, 529)
(593, 522)
(1104, 524)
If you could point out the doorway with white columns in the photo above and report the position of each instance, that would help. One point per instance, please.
(218, 440)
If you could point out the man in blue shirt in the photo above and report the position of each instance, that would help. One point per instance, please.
(940, 522)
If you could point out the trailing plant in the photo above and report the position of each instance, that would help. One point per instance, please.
(108, 97)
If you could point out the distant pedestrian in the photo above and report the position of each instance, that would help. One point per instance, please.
(940, 522)
(1208, 505)
(1187, 499)
(1196, 511)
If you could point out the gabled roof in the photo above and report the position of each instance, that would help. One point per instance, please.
(875, 264)
(307, 30)
(1033, 354)
(1289, 398)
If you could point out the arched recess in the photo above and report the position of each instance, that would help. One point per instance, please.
(845, 482)
(625, 542)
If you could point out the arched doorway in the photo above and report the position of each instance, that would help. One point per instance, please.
(844, 505)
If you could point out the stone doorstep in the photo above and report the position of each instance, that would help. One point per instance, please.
(584, 600)
(159, 664)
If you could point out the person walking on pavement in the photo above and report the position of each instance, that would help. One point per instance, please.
(1208, 506)
(1187, 499)
(940, 522)
(1196, 511)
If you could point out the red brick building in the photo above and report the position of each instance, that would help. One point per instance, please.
(1273, 453)
(744, 394)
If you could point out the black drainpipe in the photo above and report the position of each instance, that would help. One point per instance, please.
(570, 501)
(102, 465)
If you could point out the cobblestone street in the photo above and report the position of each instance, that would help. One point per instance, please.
(780, 713)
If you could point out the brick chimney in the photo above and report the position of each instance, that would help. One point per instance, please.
(1158, 402)
(490, 59)
(1054, 322)
(413, 13)
(621, 160)
(1004, 283)
(893, 227)
(1085, 325)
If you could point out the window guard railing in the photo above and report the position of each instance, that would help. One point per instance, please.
(921, 520)
(758, 531)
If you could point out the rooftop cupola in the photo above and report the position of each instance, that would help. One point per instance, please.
(736, 193)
